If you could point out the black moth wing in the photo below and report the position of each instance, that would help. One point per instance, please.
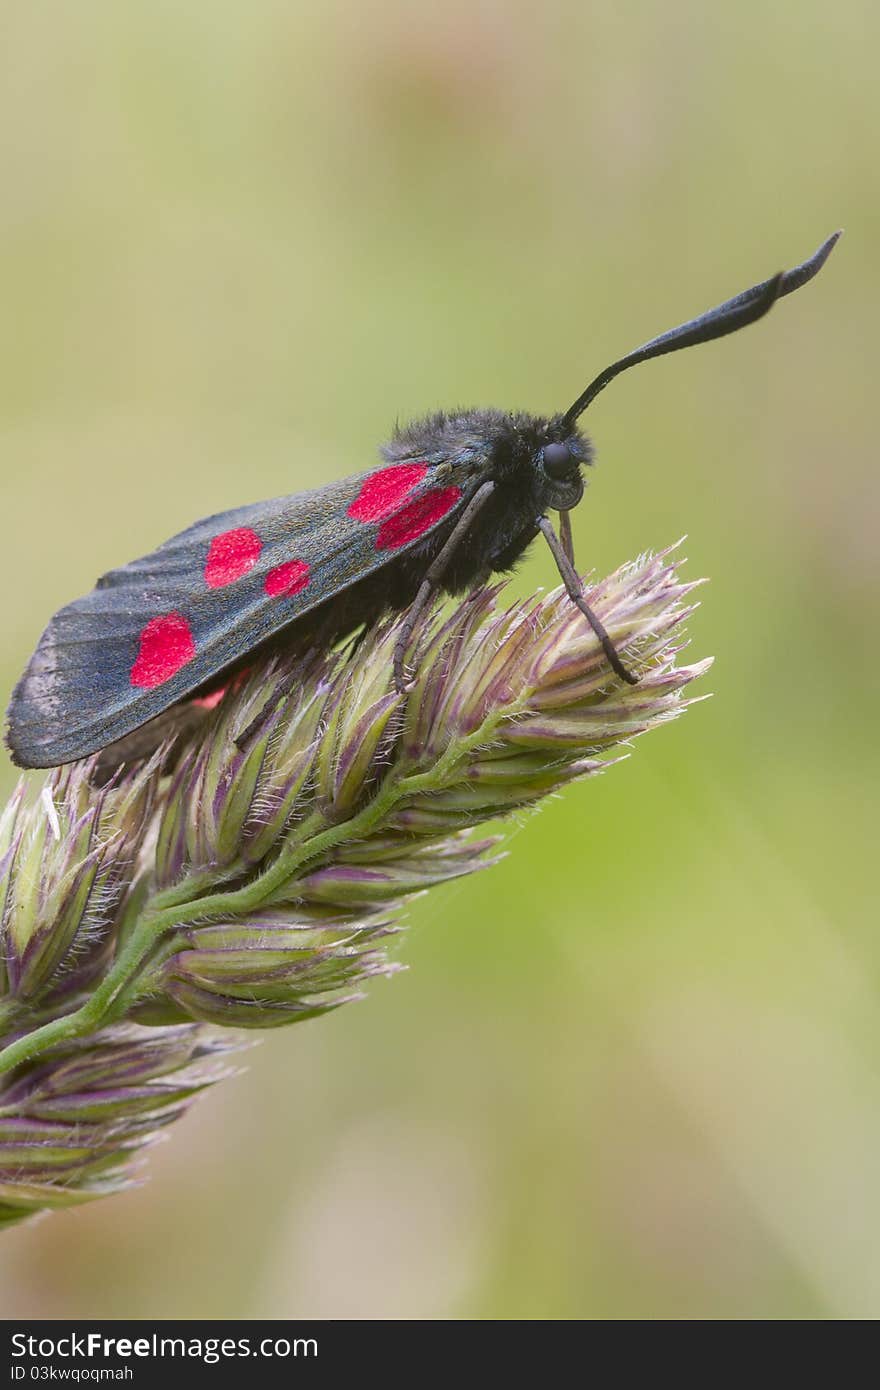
(77, 694)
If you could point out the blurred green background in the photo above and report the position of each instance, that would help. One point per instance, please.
(633, 1072)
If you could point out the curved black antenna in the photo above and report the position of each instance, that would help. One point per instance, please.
(726, 318)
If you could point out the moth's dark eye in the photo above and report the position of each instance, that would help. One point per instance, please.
(557, 460)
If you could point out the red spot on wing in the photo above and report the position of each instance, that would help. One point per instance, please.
(287, 579)
(416, 518)
(166, 644)
(231, 555)
(212, 698)
(382, 493)
(210, 701)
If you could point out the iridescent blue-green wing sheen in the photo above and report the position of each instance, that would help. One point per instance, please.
(156, 630)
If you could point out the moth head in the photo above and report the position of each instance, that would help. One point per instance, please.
(560, 460)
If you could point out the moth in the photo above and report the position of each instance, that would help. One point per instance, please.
(458, 497)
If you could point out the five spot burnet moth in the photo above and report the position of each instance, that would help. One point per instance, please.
(460, 497)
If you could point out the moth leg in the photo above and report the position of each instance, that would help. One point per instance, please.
(575, 590)
(565, 535)
(431, 581)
